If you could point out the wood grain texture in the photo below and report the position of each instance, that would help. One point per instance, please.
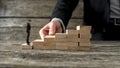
(61, 35)
(49, 41)
(103, 54)
(38, 44)
(66, 45)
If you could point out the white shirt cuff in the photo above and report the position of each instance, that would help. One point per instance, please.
(60, 22)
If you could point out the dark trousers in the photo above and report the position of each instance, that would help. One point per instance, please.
(112, 30)
(106, 30)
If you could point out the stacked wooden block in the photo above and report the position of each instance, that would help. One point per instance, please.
(78, 39)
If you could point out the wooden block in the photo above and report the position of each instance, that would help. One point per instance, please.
(73, 39)
(87, 32)
(84, 46)
(80, 48)
(48, 48)
(61, 40)
(25, 46)
(85, 29)
(85, 36)
(65, 46)
(72, 32)
(78, 27)
(49, 38)
(49, 41)
(73, 36)
(41, 45)
(61, 46)
(83, 33)
(60, 35)
(83, 40)
(79, 40)
(38, 44)
(73, 46)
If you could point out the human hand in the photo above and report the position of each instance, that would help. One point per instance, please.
(50, 29)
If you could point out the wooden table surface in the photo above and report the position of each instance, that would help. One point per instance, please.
(103, 54)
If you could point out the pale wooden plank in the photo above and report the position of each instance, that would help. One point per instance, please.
(85, 36)
(49, 40)
(78, 27)
(65, 45)
(38, 44)
(73, 36)
(60, 35)
(26, 47)
(70, 31)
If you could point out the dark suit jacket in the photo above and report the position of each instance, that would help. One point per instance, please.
(96, 12)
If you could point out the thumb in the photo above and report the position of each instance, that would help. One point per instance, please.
(52, 29)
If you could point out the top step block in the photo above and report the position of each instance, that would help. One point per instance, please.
(83, 29)
(72, 32)
(78, 27)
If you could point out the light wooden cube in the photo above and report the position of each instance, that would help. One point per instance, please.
(26, 47)
(60, 35)
(48, 48)
(61, 40)
(78, 27)
(72, 32)
(65, 46)
(73, 39)
(83, 40)
(83, 46)
(38, 44)
(85, 29)
(85, 36)
(49, 38)
(73, 36)
(41, 45)
(76, 47)
(49, 41)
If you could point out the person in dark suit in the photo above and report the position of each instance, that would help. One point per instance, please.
(102, 15)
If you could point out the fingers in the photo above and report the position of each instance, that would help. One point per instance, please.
(44, 31)
(50, 29)
(42, 34)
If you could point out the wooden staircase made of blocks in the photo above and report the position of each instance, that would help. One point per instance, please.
(78, 39)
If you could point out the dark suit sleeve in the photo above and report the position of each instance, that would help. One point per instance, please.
(64, 9)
